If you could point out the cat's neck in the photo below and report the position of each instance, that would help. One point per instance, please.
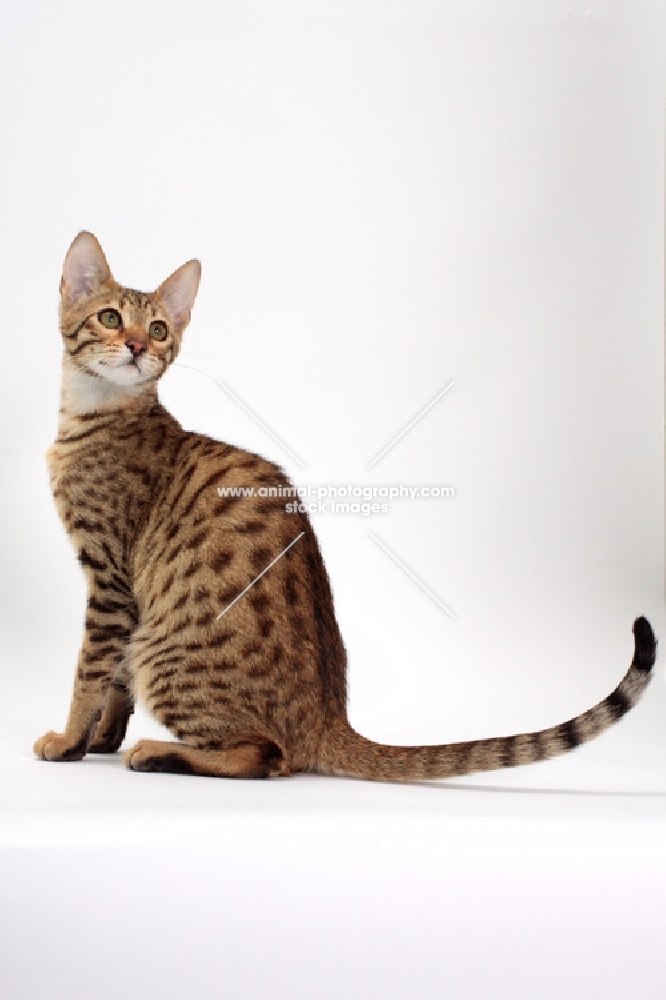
(81, 393)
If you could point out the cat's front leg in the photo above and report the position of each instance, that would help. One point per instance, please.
(109, 625)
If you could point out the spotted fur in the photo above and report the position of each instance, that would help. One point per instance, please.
(260, 691)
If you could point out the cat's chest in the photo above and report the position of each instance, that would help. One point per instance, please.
(99, 477)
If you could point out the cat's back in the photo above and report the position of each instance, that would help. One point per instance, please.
(219, 501)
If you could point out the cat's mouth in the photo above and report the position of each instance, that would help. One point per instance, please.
(131, 368)
(123, 371)
(125, 363)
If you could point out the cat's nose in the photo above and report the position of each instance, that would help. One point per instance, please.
(136, 346)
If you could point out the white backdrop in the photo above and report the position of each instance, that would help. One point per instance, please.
(385, 197)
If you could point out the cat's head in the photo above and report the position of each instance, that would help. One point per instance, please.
(117, 334)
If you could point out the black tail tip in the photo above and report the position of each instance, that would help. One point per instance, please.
(645, 652)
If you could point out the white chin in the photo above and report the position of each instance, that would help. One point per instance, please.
(122, 374)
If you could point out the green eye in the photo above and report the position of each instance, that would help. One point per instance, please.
(110, 318)
(158, 330)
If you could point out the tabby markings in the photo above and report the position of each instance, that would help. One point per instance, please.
(260, 575)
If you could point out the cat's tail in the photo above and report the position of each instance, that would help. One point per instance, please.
(345, 753)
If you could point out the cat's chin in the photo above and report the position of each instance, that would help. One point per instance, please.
(124, 374)
(109, 388)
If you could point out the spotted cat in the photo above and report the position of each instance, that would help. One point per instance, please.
(259, 690)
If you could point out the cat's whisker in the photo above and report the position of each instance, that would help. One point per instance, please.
(70, 378)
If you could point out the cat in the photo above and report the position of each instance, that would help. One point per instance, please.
(250, 677)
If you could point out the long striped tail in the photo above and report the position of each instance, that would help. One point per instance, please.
(345, 753)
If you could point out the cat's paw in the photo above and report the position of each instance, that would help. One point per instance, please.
(142, 755)
(57, 746)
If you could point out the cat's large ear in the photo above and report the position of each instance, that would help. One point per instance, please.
(179, 291)
(85, 269)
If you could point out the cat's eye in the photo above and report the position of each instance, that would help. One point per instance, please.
(158, 330)
(110, 318)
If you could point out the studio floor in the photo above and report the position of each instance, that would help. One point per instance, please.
(545, 881)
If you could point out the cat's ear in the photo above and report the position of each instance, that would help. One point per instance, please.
(179, 291)
(85, 269)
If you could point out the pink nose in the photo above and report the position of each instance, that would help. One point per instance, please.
(137, 347)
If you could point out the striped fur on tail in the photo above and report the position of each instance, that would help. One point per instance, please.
(345, 753)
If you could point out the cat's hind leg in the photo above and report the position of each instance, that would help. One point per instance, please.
(112, 726)
(245, 756)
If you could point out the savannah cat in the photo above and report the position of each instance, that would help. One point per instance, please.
(259, 691)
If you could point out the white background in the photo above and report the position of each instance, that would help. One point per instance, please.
(384, 197)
